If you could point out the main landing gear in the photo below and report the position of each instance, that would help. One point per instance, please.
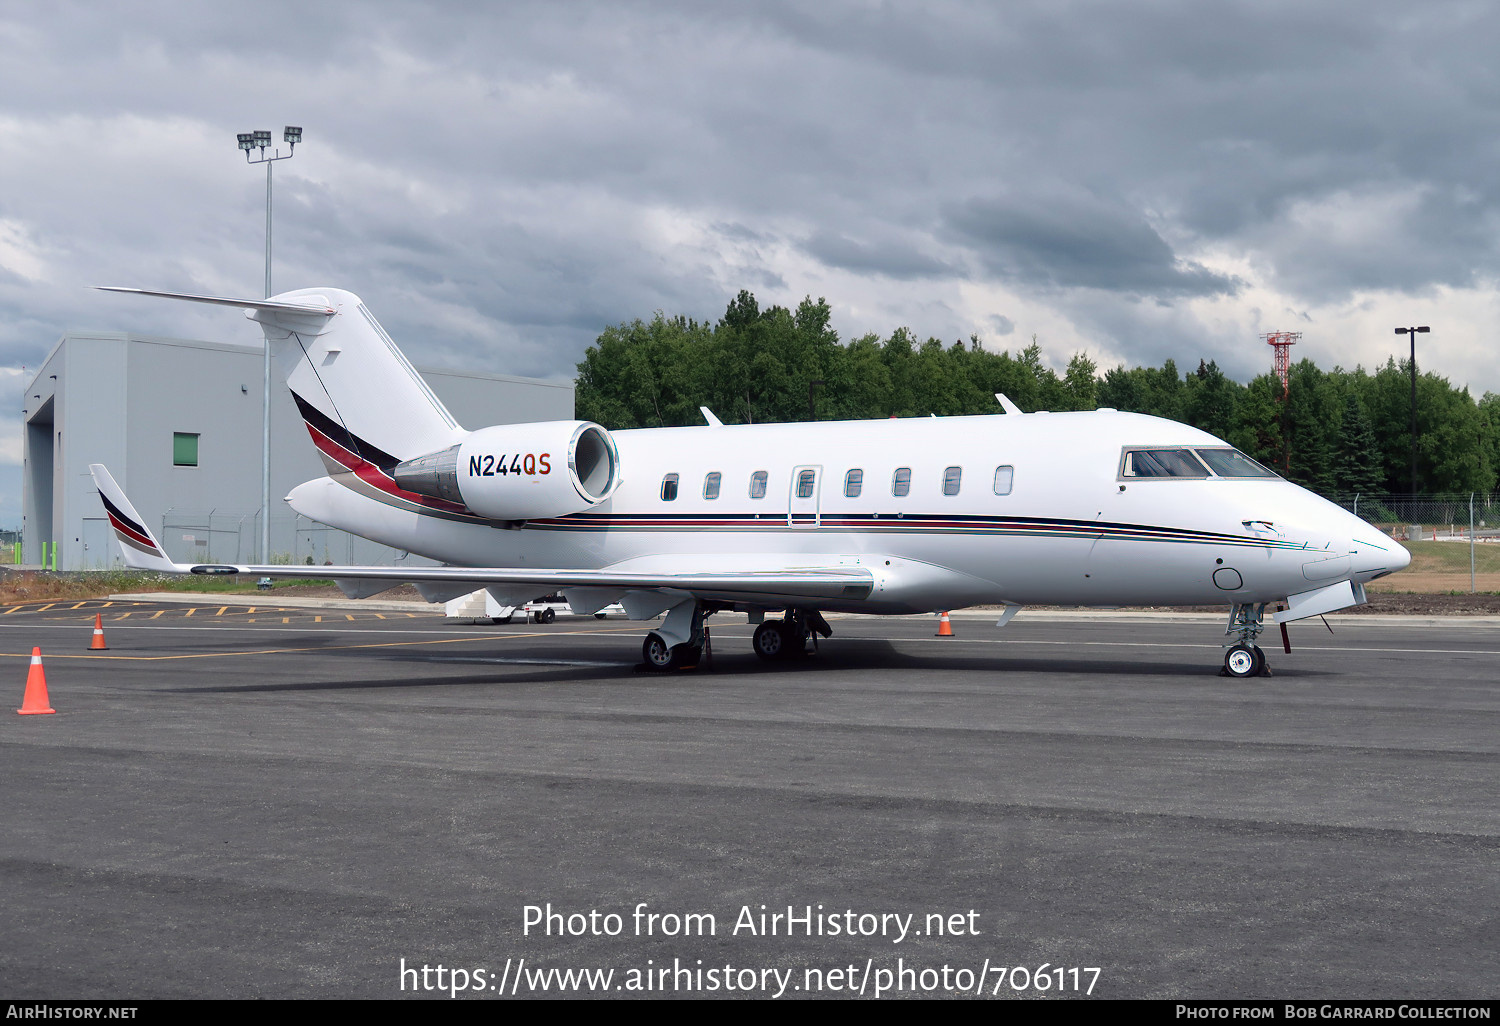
(781, 639)
(1243, 657)
(680, 641)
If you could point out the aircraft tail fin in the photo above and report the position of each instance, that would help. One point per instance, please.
(361, 399)
(137, 544)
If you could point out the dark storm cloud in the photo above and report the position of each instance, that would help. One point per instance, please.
(1078, 241)
(501, 182)
(892, 258)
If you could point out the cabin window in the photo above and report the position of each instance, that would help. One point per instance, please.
(901, 482)
(1003, 478)
(1232, 463)
(669, 488)
(758, 485)
(1140, 463)
(711, 485)
(184, 449)
(805, 482)
(853, 482)
(951, 478)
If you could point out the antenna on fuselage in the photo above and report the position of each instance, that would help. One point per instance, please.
(1006, 404)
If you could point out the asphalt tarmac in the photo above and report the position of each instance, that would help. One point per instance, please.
(290, 803)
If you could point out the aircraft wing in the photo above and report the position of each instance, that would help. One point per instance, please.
(748, 579)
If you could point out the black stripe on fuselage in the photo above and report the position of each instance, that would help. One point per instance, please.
(342, 436)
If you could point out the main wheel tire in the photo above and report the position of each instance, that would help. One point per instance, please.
(547, 615)
(600, 616)
(657, 654)
(1241, 661)
(769, 641)
(507, 618)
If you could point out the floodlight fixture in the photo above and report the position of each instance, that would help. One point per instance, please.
(261, 139)
(1413, 333)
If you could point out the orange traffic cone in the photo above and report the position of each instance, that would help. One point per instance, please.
(98, 645)
(945, 629)
(35, 702)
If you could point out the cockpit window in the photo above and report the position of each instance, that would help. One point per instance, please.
(1161, 463)
(1232, 463)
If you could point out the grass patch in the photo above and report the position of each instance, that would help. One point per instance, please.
(1452, 557)
(42, 586)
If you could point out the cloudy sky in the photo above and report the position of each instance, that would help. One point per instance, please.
(500, 181)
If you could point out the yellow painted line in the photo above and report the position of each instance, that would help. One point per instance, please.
(221, 610)
(12, 609)
(317, 619)
(190, 612)
(108, 604)
(48, 606)
(157, 613)
(348, 616)
(79, 605)
(122, 616)
(286, 619)
(251, 620)
(380, 616)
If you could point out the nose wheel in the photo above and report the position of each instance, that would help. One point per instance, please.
(1244, 661)
(1244, 658)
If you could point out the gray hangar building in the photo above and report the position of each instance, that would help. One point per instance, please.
(178, 424)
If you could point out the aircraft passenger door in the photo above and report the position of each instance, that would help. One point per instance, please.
(802, 508)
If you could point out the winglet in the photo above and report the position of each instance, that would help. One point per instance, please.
(708, 415)
(137, 544)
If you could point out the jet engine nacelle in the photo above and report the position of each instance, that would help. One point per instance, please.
(520, 471)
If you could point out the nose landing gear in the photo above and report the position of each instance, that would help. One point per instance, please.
(1243, 657)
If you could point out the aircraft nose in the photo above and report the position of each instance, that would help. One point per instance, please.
(1376, 555)
(1402, 557)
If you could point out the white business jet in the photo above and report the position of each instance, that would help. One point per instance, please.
(879, 516)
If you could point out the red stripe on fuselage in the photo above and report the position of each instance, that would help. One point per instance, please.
(377, 478)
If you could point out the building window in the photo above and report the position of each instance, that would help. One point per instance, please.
(711, 485)
(1003, 478)
(758, 485)
(901, 482)
(951, 478)
(184, 449)
(805, 482)
(669, 488)
(853, 482)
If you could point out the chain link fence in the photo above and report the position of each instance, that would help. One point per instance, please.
(1455, 517)
(230, 536)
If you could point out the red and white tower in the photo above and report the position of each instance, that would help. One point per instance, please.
(1281, 341)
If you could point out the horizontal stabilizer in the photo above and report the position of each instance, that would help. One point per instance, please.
(246, 304)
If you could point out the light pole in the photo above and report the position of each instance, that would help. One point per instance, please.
(1413, 333)
(250, 141)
